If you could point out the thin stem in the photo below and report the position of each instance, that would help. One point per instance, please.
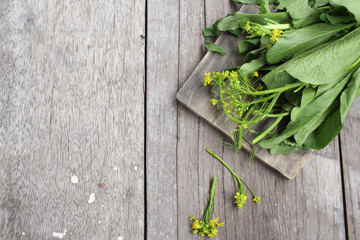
(264, 133)
(284, 26)
(274, 115)
(207, 214)
(280, 89)
(232, 172)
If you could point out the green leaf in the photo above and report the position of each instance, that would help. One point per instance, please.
(297, 8)
(352, 5)
(253, 66)
(319, 3)
(307, 96)
(283, 149)
(254, 54)
(248, 44)
(322, 64)
(212, 47)
(335, 20)
(349, 95)
(309, 116)
(301, 40)
(232, 22)
(303, 22)
(333, 124)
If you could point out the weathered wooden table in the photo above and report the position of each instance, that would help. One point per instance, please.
(83, 94)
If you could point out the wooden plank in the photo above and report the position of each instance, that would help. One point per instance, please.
(72, 103)
(191, 47)
(350, 152)
(195, 168)
(161, 118)
(308, 207)
(196, 97)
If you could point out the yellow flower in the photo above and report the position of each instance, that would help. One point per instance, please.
(256, 199)
(275, 34)
(196, 224)
(235, 74)
(229, 110)
(244, 126)
(247, 27)
(213, 101)
(240, 200)
(207, 79)
(220, 224)
(256, 74)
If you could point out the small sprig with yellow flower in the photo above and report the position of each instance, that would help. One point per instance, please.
(241, 194)
(244, 101)
(206, 226)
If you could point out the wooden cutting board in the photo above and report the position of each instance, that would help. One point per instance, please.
(195, 96)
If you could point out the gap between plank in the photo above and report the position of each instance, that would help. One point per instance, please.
(145, 122)
(343, 189)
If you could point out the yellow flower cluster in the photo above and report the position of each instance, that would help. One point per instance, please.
(256, 199)
(207, 79)
(240, 200)
(275, 34)
(206, 228)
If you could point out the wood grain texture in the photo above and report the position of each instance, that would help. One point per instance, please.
(196, 97)
(350, 140)
(195, 168)
(72, 103)
(161, 118)
(308, 207)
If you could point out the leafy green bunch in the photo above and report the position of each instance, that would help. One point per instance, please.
(300, 72)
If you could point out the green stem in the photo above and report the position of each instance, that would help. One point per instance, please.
(232, 172)
(284, 26)
(274, 115)
(207, 214)
(264, 133)
(275, 90)
(357, 61)
(240, 134)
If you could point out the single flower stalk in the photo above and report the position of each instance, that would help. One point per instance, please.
(241, 194)
(206, 226)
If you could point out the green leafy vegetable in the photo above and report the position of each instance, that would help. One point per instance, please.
(301, 40)
(212, 47)
(297, 8)
(352, 5)
(301, 73)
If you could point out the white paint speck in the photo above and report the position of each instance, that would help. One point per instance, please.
(115, 168)
(23, 233)
(74, 179)
(135, 168)
(120, 238)
(102, 205)
(123, 196)
(59, 234)
(91, 198)
(99, 222)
